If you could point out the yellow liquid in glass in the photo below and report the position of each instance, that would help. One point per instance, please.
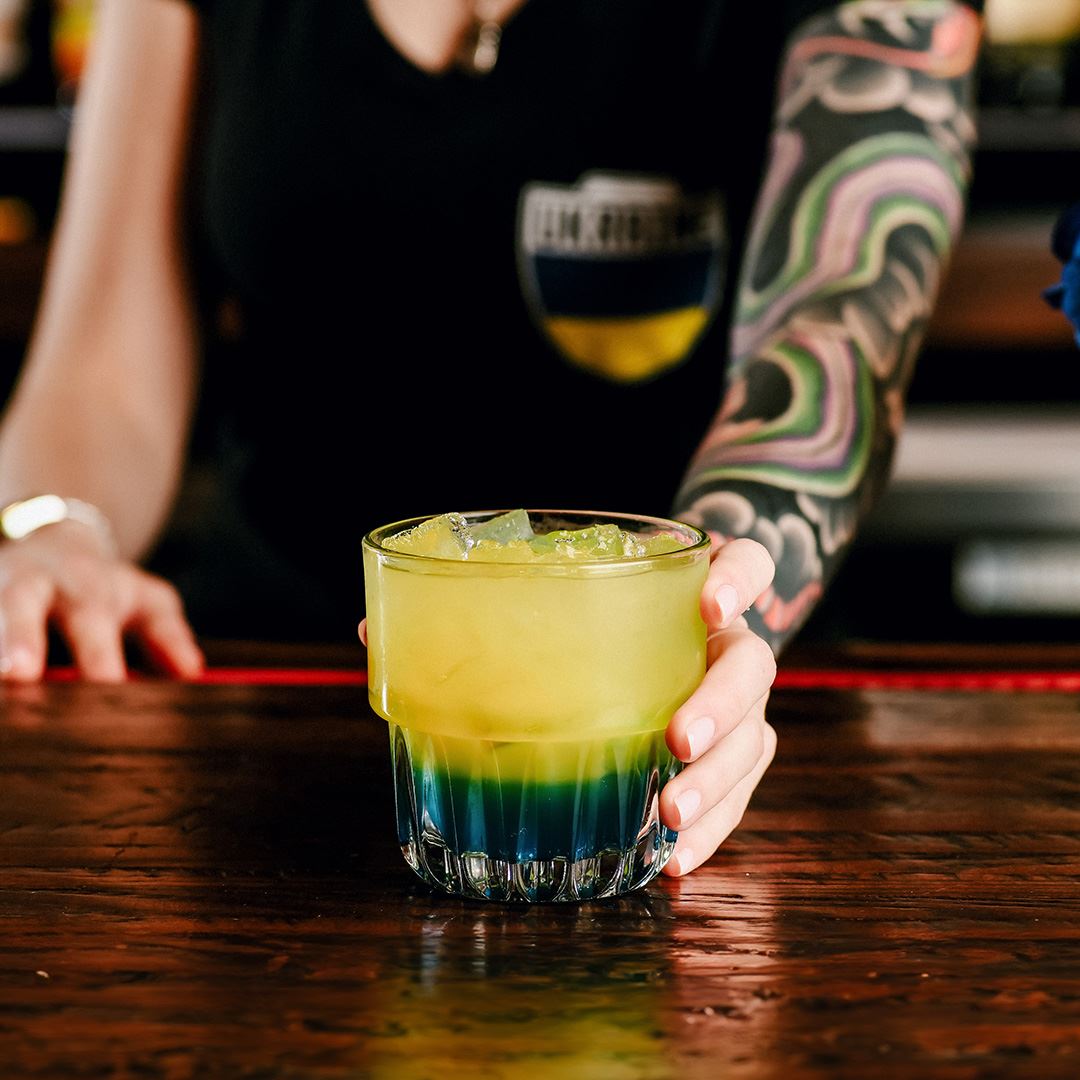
(512, 655)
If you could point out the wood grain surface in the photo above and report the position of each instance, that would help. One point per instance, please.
(202, 881)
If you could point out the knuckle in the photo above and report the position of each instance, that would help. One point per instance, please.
(757, 747)
(739, 812)
(98, 589)
(764, 658)
(12, 562)
(82, 567)
(24, 591)
(90, 616)
(764, 559)
(160, 595)
(93, 600)
(730, 712)
(754, 551)
(768, 735)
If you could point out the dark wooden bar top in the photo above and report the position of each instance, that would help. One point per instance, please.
(203, 881)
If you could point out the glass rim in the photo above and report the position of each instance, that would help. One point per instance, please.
(373, 541)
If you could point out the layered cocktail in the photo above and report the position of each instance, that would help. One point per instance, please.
(527, 664)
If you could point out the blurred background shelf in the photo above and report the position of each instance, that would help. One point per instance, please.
(961, 472)
(1009, 129)
(992, 298)
(34, 129)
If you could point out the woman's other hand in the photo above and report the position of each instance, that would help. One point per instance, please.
(58, 576)
(721, 731)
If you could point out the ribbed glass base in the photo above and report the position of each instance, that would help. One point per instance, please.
(532, 822)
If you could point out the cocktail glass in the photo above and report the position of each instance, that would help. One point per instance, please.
(527, 703)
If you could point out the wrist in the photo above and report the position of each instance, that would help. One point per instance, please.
(24, 518)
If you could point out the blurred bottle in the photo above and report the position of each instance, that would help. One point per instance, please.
(72, 27)
(14, 45)
(1028, 22)
(1030, 60)
(17, 221)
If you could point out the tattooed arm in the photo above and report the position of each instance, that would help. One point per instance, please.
(862, 201)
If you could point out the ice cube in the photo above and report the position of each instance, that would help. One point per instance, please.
(605, 541)
(661, 543)
(592, 542)
(545, 544)
(509, 538)
(443, 537)
(504, 529)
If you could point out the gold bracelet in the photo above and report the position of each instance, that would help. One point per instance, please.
(25, 516)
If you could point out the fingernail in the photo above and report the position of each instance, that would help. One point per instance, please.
(683, 860)
(699, 735)
(687, 804)
(727, 600)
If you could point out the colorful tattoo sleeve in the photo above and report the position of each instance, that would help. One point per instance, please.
(861, 203)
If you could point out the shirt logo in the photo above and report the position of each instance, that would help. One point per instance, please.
(622, 273)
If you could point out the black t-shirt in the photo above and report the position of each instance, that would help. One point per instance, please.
(462, 292)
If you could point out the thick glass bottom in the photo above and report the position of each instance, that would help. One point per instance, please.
(535, 822)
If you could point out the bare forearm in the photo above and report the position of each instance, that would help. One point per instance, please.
(860, 208)
(103, 407)
(78, 440)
